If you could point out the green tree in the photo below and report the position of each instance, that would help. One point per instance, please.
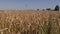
(48, 9)
(57, 8)
(37, 9)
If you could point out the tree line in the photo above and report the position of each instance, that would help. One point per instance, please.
(55, 9)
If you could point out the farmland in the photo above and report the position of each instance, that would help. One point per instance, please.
(29, 22)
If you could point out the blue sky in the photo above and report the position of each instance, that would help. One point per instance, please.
(28, 4)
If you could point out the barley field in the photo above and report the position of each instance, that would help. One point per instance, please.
(29, 22)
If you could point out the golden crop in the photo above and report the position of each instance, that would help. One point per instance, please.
(29, 22)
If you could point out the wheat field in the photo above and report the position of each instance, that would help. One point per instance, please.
(29, 22)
